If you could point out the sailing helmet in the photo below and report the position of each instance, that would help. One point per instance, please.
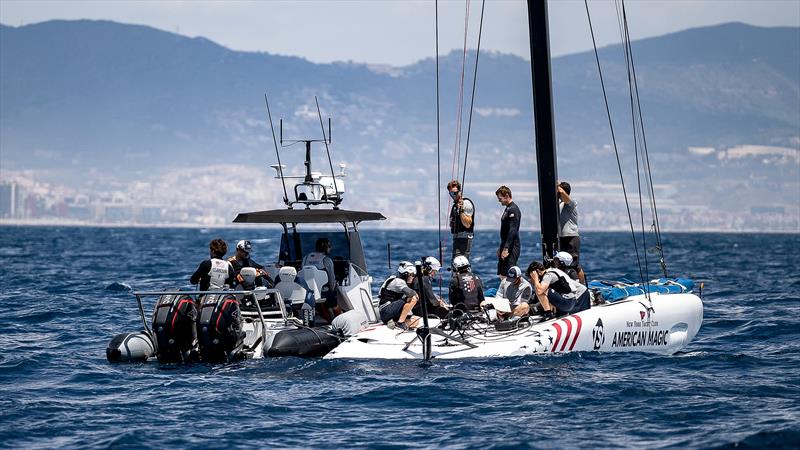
(460, 261)
(245, 246)
(564, 257)
(432, 263)
(406, 268)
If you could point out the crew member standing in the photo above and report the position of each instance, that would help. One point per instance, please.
(508, 252)
(569, 239)
(462, 222)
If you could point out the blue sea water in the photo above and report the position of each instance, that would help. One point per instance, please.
(64, 293)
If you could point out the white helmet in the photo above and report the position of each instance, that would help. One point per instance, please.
(432, 263)
(406, 268)
(564, 257)
(460, 261)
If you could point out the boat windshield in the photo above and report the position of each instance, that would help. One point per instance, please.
(294, 246)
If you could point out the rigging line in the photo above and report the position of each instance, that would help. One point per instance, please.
(280, 166)
(627, 46)
(613, 138)
(328, 151)
(649, 170)
(459, 115)
(438, 146)
(472, 100)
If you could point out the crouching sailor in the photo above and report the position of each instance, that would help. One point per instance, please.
(397, 299)
(466, 288)
(558, 293)
(214, 273)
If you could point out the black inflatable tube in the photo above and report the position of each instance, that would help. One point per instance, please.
(303, 342)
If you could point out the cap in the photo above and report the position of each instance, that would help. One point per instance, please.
(514, 272)
(564, 257)
(244, 245)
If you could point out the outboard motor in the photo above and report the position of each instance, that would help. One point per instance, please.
(130, 347)
(220, 328)
(174, 326)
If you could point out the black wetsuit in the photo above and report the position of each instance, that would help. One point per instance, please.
(202, 276)
(433, 301)
(509, 238)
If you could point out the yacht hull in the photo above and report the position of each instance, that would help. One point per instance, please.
(664, 325)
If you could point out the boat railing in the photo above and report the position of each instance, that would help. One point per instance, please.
(257, 294)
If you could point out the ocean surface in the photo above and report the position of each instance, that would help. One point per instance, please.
(65, 291)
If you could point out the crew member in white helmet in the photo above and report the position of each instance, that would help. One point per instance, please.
(466, 288)
(397, 299)
(215, 272)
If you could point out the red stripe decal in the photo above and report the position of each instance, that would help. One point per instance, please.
(176, 312)
(569, 331)
(224, 304)
(577, 332)
(558, 336)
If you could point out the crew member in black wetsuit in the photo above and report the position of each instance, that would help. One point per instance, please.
(508, 252)
(215, 272)
(462, 220)
(436, 306)
(242, 259)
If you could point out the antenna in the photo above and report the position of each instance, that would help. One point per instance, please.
(280, 166)
(326, 140)
(281, 131)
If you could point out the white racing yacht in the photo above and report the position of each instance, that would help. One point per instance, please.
(659, 316)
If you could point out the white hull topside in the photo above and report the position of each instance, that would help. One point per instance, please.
(629, 325)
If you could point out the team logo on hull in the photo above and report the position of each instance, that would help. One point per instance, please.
(597, 335)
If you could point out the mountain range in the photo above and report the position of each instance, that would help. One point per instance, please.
(100, 105)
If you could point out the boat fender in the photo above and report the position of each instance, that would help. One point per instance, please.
(303, 342)
(219, 329)
(130, 347)
(174, 326)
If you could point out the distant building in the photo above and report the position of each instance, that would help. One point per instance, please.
(12, 197)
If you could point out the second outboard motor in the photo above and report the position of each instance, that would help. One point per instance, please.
(174, 326)
(220, 328)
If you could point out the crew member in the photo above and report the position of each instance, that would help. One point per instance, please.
(568, 237)
(397, 299)
(214, 272)
(508, 252)
(320, 259)
(436, 306)
(466, 288)
(557, 292)
(517, 291)
(242, 259)
(462, 222)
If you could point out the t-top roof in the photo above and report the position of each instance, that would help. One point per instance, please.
(307, 216)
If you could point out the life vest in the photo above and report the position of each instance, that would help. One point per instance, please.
(218, 273)
(469, 284)
(387, 294)
(456, 226)
(565, 284)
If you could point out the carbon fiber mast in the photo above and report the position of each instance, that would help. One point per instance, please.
(544, 124)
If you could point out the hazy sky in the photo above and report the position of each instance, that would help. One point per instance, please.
(399, 32)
